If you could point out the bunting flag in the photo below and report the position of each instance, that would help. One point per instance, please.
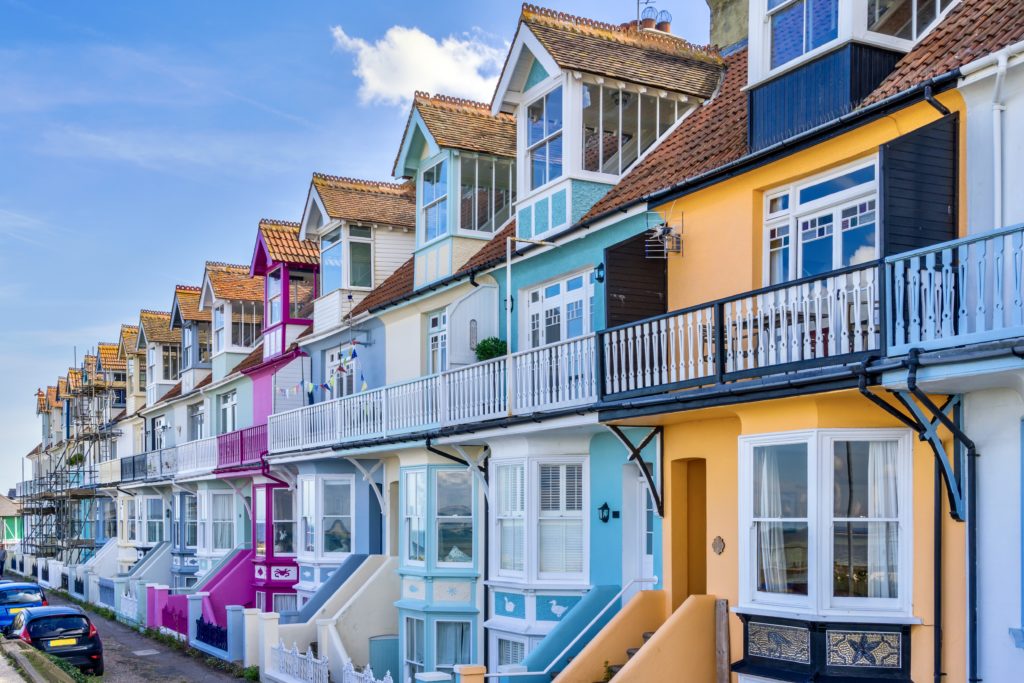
(364, 386)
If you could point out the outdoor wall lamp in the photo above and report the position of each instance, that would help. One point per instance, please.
(599, 272)
(604, 513)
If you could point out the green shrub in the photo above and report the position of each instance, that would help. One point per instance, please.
(489, 348)
(251, 673)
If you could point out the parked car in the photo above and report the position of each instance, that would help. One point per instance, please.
(17, 596)
(64, 632)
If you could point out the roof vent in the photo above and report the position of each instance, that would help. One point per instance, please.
(648, 17)
(664, 21)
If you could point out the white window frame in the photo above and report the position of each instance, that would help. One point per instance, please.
(227, 405)
(585, 296)
(143, 520)
(358, 239)
(187, 340)
(528, 148)
(290, 519)
(796, 212)
(819, 600)
(492, 212)
(348, 479)
(510, 511)
(259, 518)
(437, 518)
(202, 526)
(344, 382)
(437, 335)
(221, 328)
(214, 522)
(189, 522)
(842, 33)
(307, 488)
(496, 641)
(408, 665)
(196, 418)
(425, 238)
(449, 667)
(279, 597)
(409, 512)
(563, 514)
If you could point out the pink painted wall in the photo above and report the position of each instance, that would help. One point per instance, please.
(232, 586)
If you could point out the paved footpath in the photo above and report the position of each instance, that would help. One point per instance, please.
(130, 657)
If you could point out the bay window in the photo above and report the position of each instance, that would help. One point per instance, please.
(823, 224)
(829, 521)
(800, 26)
(223, 521)
(259, 513)
(486, 192)
(360, 256)
(274, 297)
(415, 512)
(907, 19)
(453, 645)
(301, 292)
(560, 529)
(415, 647)
(191, 519)
(434, 202)
(620, 124)
(336, 520)
(284, 521)
(511, 513)
(544, 138)
(307, 490)
(130, 521)
(454, 517)
(359, 243)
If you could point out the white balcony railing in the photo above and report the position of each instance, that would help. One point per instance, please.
(196, 457)
(294, 665)
(110, 472)
(129, 608)
(553, 377)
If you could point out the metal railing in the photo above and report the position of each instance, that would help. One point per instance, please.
(242, 447)
(828, 319)
(959, 292)
(552, 377)
(211, 634)
(134, 467)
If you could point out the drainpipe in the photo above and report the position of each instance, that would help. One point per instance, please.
(937, 578)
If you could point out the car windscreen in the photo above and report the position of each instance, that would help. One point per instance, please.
(21, 596)
(58, 625)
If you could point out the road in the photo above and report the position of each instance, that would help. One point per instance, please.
(130, 657)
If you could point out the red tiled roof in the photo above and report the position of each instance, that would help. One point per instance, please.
(156, 326)
(972, 29)
(173, 392)
(283, 243)
(397, 285)
(204, 382)
(254, 358)
(492, 252)
(367, 201)
(464, 124)
(231, 282)
(187, 297)
(129, 335)
(108, 357)
(51, 397)
(41, 404)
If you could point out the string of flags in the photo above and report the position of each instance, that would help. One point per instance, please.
(344, 368)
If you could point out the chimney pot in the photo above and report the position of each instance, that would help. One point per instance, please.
(664, 26)
(647, 22)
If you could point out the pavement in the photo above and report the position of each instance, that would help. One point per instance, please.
(130, 657)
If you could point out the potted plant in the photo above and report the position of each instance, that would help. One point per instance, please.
(489, 348)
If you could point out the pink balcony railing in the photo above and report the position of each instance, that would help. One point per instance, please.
(242, 447)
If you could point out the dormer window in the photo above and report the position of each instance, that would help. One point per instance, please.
(435, 201)
(487, 190)
(800, 26)
(332, 265)
(274, 297)
(236, 324)
(544, 138)
(218, 329)
(301, 291)
(907, 19)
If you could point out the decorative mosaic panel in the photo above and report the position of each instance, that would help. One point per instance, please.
(414, 588)
(775, 641)
(863, 649)
(452, 591)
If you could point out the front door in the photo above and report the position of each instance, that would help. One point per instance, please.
(638, 532)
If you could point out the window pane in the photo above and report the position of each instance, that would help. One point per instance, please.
(360, 231)
(538, 166)
(454, 493)
(630, 124)
(816, 245)
(891, 17)
(780, 481)
(858, 233)
(787, 34)
(648, 121)
(455, 513)
(778, 254)
(844, 182)
(781, 557)
(330, 269)
(555, 158)
(300, 294)
(865, 479)
(504, 193)
(360, 272)
(484, 194)
(610, 135)
(467, 193)
(561, 546)
(822, 22)
(535, 122)
(553, 113)
(666, 114)
(591, 127)
(865, 559)
(453, 644)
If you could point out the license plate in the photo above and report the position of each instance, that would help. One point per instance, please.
(14, 610)
(63, 641)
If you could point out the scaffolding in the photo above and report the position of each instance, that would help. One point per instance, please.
(61, 501)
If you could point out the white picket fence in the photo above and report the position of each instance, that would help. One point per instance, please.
(350, 675)
(298, 666)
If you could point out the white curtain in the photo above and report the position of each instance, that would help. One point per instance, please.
(768, 504)
(883, 538)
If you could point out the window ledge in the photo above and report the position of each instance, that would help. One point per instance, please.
(866, 617)
(524, 585)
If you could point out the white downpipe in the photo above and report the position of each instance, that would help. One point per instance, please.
(508, 313)
(1000, 60)
(583, 632)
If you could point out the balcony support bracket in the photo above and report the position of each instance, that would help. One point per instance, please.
(368, 478)
(657, 493)
(925, 417)
(477, 466)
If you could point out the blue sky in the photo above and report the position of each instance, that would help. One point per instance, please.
(138, 140)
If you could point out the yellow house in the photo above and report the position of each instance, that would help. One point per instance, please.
(814, 522)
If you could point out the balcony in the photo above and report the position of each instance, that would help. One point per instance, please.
(160, 464)
(196, 458)
(134, 467)
(242, 447)
(109, 472)
(550, 378)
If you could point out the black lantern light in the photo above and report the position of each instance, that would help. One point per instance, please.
(604, 513)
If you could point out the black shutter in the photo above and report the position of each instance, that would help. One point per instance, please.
(918, 196)
(635, 287)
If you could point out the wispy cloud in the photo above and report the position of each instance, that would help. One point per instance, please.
(22, 227)
(407, 59)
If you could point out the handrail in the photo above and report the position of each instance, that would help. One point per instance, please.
(959, 242)
(579, 635)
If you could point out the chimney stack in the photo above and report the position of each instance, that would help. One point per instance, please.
(728, 21)
(647, 17)
(664, 22)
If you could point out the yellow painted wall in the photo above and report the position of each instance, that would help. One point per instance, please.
(722, 224)
(712, 435)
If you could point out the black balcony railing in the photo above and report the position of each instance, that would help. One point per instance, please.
(211, 634)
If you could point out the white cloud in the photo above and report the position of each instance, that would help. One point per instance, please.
(407, 59)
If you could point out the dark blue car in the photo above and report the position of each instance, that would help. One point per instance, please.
(64, 632)
(16, 597)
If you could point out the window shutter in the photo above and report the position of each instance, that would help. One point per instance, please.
(918, 187)
(550, 488)
(574, 488)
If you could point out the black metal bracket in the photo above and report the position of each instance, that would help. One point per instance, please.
(657, 494)
(925, 417)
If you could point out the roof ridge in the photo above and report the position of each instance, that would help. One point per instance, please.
(223, 264)
(187, 288)
(622, 32)
(153, 312)
(129, 326)
(474, 107)
(274, 222)
(368, 184)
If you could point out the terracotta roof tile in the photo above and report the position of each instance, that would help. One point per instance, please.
(367, 201)
(41, 403)
(35, 451)
(173, 392)
(89, 370)
(74, 384)
(254, 358)
(492, 252)
(647, 58)
(203, 382)
(51, 397)
(187, 297)
(972, 29)
(156, 326)
(108, 357)
(232, 282)
(283, 243)
(397, 285)
(129, 335)
(62, 388)
(715, 134)
(464, 124)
